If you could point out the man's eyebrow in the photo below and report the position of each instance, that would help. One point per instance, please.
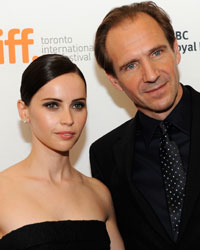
(157, 48)
(136, 60)
(127, 63)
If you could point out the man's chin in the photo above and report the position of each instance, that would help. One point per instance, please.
(163, 110)
(158, 110)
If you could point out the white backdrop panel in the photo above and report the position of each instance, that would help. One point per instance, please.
(69, 27)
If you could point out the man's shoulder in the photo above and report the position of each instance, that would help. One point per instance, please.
(195, 96)
(192, 90)
(116, 133)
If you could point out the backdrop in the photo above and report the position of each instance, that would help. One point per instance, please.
(33, 28)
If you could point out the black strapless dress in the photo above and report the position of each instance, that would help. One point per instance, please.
(58, 235)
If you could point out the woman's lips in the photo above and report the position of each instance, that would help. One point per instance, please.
(66, 134)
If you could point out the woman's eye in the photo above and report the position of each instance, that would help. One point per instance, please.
(51, 105)
(78, 105)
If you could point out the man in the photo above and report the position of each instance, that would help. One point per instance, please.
(150, 163)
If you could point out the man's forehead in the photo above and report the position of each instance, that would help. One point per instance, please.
(133, 20)
(129, 30)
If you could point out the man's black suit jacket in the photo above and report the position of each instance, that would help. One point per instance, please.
(112, 161)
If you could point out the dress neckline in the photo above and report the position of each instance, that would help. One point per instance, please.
(27, 226)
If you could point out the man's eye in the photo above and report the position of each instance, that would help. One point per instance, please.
(51, 105)
(130, 66)
(78, 105)
(157, 52)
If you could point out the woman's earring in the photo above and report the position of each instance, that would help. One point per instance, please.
(25, 121)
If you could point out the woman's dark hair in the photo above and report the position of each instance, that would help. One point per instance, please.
(44, 69)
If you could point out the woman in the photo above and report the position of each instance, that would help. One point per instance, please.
(45, 202)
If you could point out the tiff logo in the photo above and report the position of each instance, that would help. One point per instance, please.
(12, 42)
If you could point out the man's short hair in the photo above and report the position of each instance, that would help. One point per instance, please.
(117, 16)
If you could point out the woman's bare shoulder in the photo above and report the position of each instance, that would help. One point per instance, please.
(8, 177)
(97, 183)
(5, 176)
(100, 188)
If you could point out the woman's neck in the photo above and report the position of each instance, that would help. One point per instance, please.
(45, 163)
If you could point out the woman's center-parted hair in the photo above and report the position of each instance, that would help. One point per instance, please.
(44, 69)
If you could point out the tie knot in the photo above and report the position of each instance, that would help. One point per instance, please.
(164, 126)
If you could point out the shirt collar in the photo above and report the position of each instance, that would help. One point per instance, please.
(179, 117)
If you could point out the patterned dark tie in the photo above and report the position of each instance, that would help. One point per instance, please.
(173, 177)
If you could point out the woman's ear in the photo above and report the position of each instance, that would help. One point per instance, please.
(23, 111)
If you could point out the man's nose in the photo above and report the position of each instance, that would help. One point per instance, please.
(150, 71)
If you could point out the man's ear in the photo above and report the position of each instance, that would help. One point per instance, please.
(177, 52)
(23, 111)
(114, 81)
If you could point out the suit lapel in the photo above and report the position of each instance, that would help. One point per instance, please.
(123, 153)
(193, 175)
